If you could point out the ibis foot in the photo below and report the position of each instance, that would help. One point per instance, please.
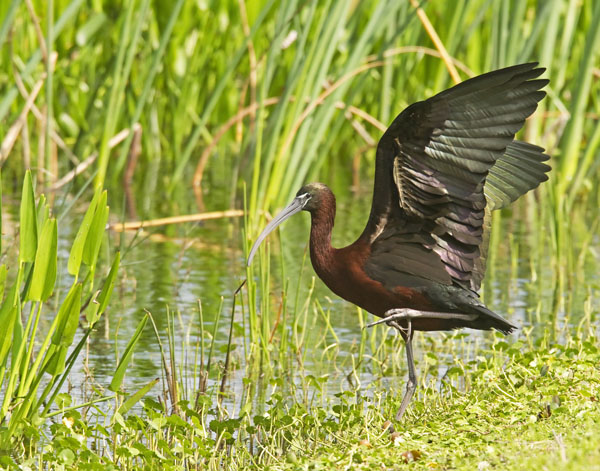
(407, 314)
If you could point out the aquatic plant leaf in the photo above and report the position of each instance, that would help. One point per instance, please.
(80, 239)
(135, 397)
(119, 375)
(42, 211)
(44, 269)
(8, 315)
(106, 292)
(28, 221)
(68, 317)
(58, 358)
(96, 233)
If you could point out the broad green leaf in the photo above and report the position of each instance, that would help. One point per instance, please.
(56, 364)
(91, 311)
(42, 211)
(44, 269)
(81, 237)
(68, 317)
(117, 380)
(18, 333)
(96, 233)
(109, 283)
(135, 397)
(102, 300)
(28, 221)
(8, 315)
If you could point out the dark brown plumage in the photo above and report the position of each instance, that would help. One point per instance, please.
(441, 167)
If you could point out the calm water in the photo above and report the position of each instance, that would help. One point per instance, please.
(174, 267)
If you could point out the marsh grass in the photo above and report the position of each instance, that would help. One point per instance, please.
(282, 91)
(504, 405)
(255, 98)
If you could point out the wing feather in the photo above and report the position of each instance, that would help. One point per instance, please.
(449, 157)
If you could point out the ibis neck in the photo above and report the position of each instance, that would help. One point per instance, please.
(321, 251)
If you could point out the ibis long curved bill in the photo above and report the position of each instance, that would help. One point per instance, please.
(294, 207)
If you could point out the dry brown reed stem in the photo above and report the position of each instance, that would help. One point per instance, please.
(11, 136)
(41, 118)
(420, 50)
(135, 225)
(38, 31)
(363, 115)
(135, 149)
(439, 45)
(81, 167)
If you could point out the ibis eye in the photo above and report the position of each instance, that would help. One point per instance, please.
(304, 197)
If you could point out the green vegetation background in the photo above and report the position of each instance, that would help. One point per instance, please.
(211, 105)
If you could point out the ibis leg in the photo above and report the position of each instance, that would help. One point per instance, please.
(392, 318)
(411, 385)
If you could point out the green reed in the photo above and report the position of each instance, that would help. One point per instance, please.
(270, 88)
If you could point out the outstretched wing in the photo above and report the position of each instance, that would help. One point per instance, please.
(431, 169)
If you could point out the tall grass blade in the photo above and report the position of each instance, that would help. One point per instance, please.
(90, 28)
(115, 98)
(68, 14)
(8, 19)
(154, 68)
(119, 375)
(49, 82)
(571, 141)
(214, 97)
(1, 216)
(3, 273)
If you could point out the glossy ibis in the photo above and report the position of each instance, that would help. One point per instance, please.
(441, 167)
